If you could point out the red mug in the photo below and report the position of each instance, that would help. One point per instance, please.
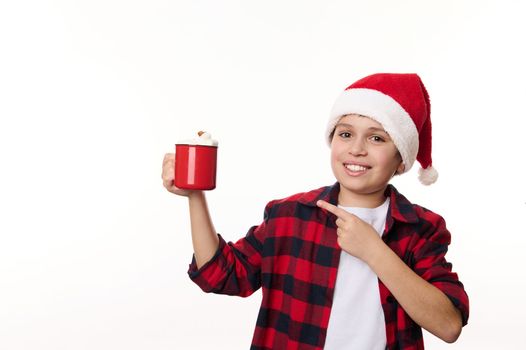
(195, 167)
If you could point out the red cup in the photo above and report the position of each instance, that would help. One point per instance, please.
(195, 167)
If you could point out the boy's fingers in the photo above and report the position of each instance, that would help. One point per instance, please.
(167, 183)
(168, 174)
(339, 212)
(168, 157)
(168, 165)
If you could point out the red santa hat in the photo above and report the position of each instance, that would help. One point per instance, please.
(400, 103)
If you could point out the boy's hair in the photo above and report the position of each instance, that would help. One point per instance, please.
(400, 103)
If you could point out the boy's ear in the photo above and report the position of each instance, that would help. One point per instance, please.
(400, 169)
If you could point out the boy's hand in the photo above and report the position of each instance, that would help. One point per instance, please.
(355, 236)
(168, 176)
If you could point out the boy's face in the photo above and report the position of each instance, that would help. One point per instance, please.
(363, 157)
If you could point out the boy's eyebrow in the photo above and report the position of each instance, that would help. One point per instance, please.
(372, 128)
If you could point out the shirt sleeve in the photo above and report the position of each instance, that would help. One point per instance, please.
(235, 269)
(431, 265)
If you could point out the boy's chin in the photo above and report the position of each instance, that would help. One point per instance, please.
(361, 187)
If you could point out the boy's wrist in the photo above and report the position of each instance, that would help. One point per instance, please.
(193, 195)
(377, 255)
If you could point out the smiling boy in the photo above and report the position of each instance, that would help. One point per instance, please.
(354, 265)
(363, 160)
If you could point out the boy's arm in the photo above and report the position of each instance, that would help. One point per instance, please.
(221, 267)
(428, 306)
(424, 303)
(217, 267)
(204, 237)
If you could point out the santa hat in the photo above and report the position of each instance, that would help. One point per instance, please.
(400, 103)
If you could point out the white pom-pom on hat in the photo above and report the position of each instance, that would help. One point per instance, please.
(427, 176)
(400, 103)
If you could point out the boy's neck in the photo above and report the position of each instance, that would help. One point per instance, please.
(347, 198)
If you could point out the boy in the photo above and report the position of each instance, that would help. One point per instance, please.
(354, 265)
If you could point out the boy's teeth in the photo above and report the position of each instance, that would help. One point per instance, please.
(353, 167)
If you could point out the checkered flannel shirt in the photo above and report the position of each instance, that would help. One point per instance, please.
(293, 256)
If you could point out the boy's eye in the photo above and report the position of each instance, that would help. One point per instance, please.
(377, 138)
(345, 134)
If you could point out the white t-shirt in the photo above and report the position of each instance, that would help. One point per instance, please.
(357, 318)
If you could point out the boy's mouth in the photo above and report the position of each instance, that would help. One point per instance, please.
(353, 167)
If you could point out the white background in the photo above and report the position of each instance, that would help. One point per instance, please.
(94, 251)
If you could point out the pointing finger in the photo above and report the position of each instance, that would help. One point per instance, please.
(339, 212)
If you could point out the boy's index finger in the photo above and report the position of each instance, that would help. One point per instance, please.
(339, 212)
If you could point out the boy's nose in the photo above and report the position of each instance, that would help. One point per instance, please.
(358, 148)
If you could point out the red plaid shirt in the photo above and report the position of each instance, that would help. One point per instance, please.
(293, 256)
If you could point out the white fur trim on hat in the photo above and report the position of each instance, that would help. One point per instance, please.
(386, 111)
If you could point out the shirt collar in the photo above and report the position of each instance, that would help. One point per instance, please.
(400, 208)
(328, 194)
